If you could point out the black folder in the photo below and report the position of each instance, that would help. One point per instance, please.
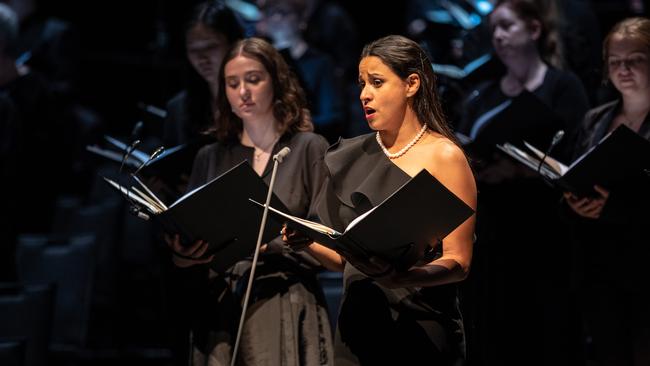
(399, 229)
(218, 212)
(524, 117)
(620, 155)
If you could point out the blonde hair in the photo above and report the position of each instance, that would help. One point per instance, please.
(637, 29)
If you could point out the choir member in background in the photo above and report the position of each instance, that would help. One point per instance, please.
(611, 227)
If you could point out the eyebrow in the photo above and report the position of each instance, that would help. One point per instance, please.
(640, 51)
(246, 73)
(373, 74)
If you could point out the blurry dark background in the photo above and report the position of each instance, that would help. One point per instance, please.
(131, 52)
(108, 267)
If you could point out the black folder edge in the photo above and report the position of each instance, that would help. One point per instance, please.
(224, 198)
(605, 163)
(458, 212)
(591, 167)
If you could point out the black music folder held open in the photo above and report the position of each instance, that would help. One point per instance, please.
(218, 212)
(619, 155)
(523, 117)
(399, 229)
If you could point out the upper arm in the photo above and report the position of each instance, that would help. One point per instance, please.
(450, 166)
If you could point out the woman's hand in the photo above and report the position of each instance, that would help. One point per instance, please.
(374, 267)
(295, 239)
(590, 208)
(187, 256)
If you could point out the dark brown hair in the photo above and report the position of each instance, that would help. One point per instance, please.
(217, 17)
(289, 102)
(547, 14)
(405, 57)
(637, 29)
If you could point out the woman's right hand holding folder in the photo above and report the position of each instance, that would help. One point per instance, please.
(187, 256)
(295, 239)
(588, 207)
(332, 260)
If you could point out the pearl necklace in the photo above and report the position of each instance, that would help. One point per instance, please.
(405, 148)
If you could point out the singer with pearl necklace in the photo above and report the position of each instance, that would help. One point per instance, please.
(390, 317)
(262, 111)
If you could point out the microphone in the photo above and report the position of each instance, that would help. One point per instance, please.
(134, 209)
(127, 153)
(134, 141)
(556, 140)
(282, 154)
(153, 155)
(277, 159)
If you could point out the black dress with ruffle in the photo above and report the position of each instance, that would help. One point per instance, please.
(377, 325)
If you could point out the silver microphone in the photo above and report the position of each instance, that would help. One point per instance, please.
(127, 153)
(153, 155)
(282, 154)
(556, 140)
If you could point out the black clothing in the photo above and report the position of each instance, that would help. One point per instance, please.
(287, 323)
(179, 127)
(612, 255)
(560, 91)
(519, 309)
(378, 325)
(322, 86)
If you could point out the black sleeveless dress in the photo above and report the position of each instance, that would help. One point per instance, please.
(377, 325)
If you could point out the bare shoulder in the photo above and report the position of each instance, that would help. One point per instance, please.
(444, 153)
(448, 163)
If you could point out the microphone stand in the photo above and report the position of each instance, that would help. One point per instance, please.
(556, 140)
(277, 158)
(127, 153)
(135, 209)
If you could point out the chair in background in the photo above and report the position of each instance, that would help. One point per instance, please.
(69, 265)
(25, 323)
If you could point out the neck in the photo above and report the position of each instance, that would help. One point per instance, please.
(527, 70)
(261, 132)
(214, 91)
(396, 139)
(636, 107)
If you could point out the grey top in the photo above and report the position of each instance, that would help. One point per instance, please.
(297, 184)
(290, 325)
